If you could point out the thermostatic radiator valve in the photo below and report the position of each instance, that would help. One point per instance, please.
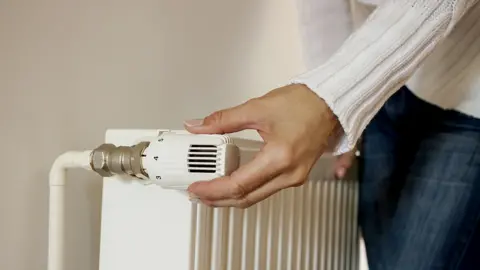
(174, 159)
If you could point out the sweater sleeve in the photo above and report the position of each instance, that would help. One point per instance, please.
(376, 60)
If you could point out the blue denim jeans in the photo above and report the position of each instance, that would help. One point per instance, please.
(420, 187)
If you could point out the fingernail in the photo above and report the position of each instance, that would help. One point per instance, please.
(341, 173)
(195, 200)
(194, 122)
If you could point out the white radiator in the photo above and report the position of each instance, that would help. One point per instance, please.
(310, 227)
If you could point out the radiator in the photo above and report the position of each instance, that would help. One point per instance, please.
(310, 227)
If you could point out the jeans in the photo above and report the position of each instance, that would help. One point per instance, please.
(420, 187)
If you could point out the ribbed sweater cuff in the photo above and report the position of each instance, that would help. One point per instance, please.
(377, 60)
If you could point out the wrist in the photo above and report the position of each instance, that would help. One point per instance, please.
(326, 114)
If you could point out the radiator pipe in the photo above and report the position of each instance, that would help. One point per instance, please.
(106, 160)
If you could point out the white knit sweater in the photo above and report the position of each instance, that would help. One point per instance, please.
(433, 46)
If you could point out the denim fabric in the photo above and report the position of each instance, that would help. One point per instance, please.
(420, 187)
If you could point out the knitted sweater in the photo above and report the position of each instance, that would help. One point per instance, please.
(433, 46)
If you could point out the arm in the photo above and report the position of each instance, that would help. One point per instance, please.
(379, 58)
(352, 85)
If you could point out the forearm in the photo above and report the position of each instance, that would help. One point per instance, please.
(378, 59)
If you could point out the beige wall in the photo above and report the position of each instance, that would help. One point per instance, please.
(71, 69)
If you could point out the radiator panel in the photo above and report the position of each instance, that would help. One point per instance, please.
(286, 231)
(309, 227)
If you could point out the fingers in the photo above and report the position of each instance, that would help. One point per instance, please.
(282, 181)
(252, 198)
(242, 182)
(343, 163)
(224, 121)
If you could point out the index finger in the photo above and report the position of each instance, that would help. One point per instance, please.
(261, 169)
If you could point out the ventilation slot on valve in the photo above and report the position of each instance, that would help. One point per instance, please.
(202, 158)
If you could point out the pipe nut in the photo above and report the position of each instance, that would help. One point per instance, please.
(108, 160)
(99, 159)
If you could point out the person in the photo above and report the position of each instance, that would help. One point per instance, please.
(408, 79)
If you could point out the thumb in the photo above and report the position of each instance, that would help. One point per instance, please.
(224, 121)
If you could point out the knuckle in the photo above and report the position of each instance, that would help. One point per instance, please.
(244, 203)
(253, 101)
(255, 106)
(215, 117)
(238, 191)
(285, 156)
(299, 177)
(299, 181)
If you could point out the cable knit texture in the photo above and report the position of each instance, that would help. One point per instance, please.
(378, 58)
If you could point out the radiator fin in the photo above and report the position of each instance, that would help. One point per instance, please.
(310, 227)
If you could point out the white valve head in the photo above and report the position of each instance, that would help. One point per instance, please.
(175, 160)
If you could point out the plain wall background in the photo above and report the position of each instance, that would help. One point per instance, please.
(71, 69)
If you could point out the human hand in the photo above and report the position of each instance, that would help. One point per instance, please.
(343, 163)
(295, 125)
